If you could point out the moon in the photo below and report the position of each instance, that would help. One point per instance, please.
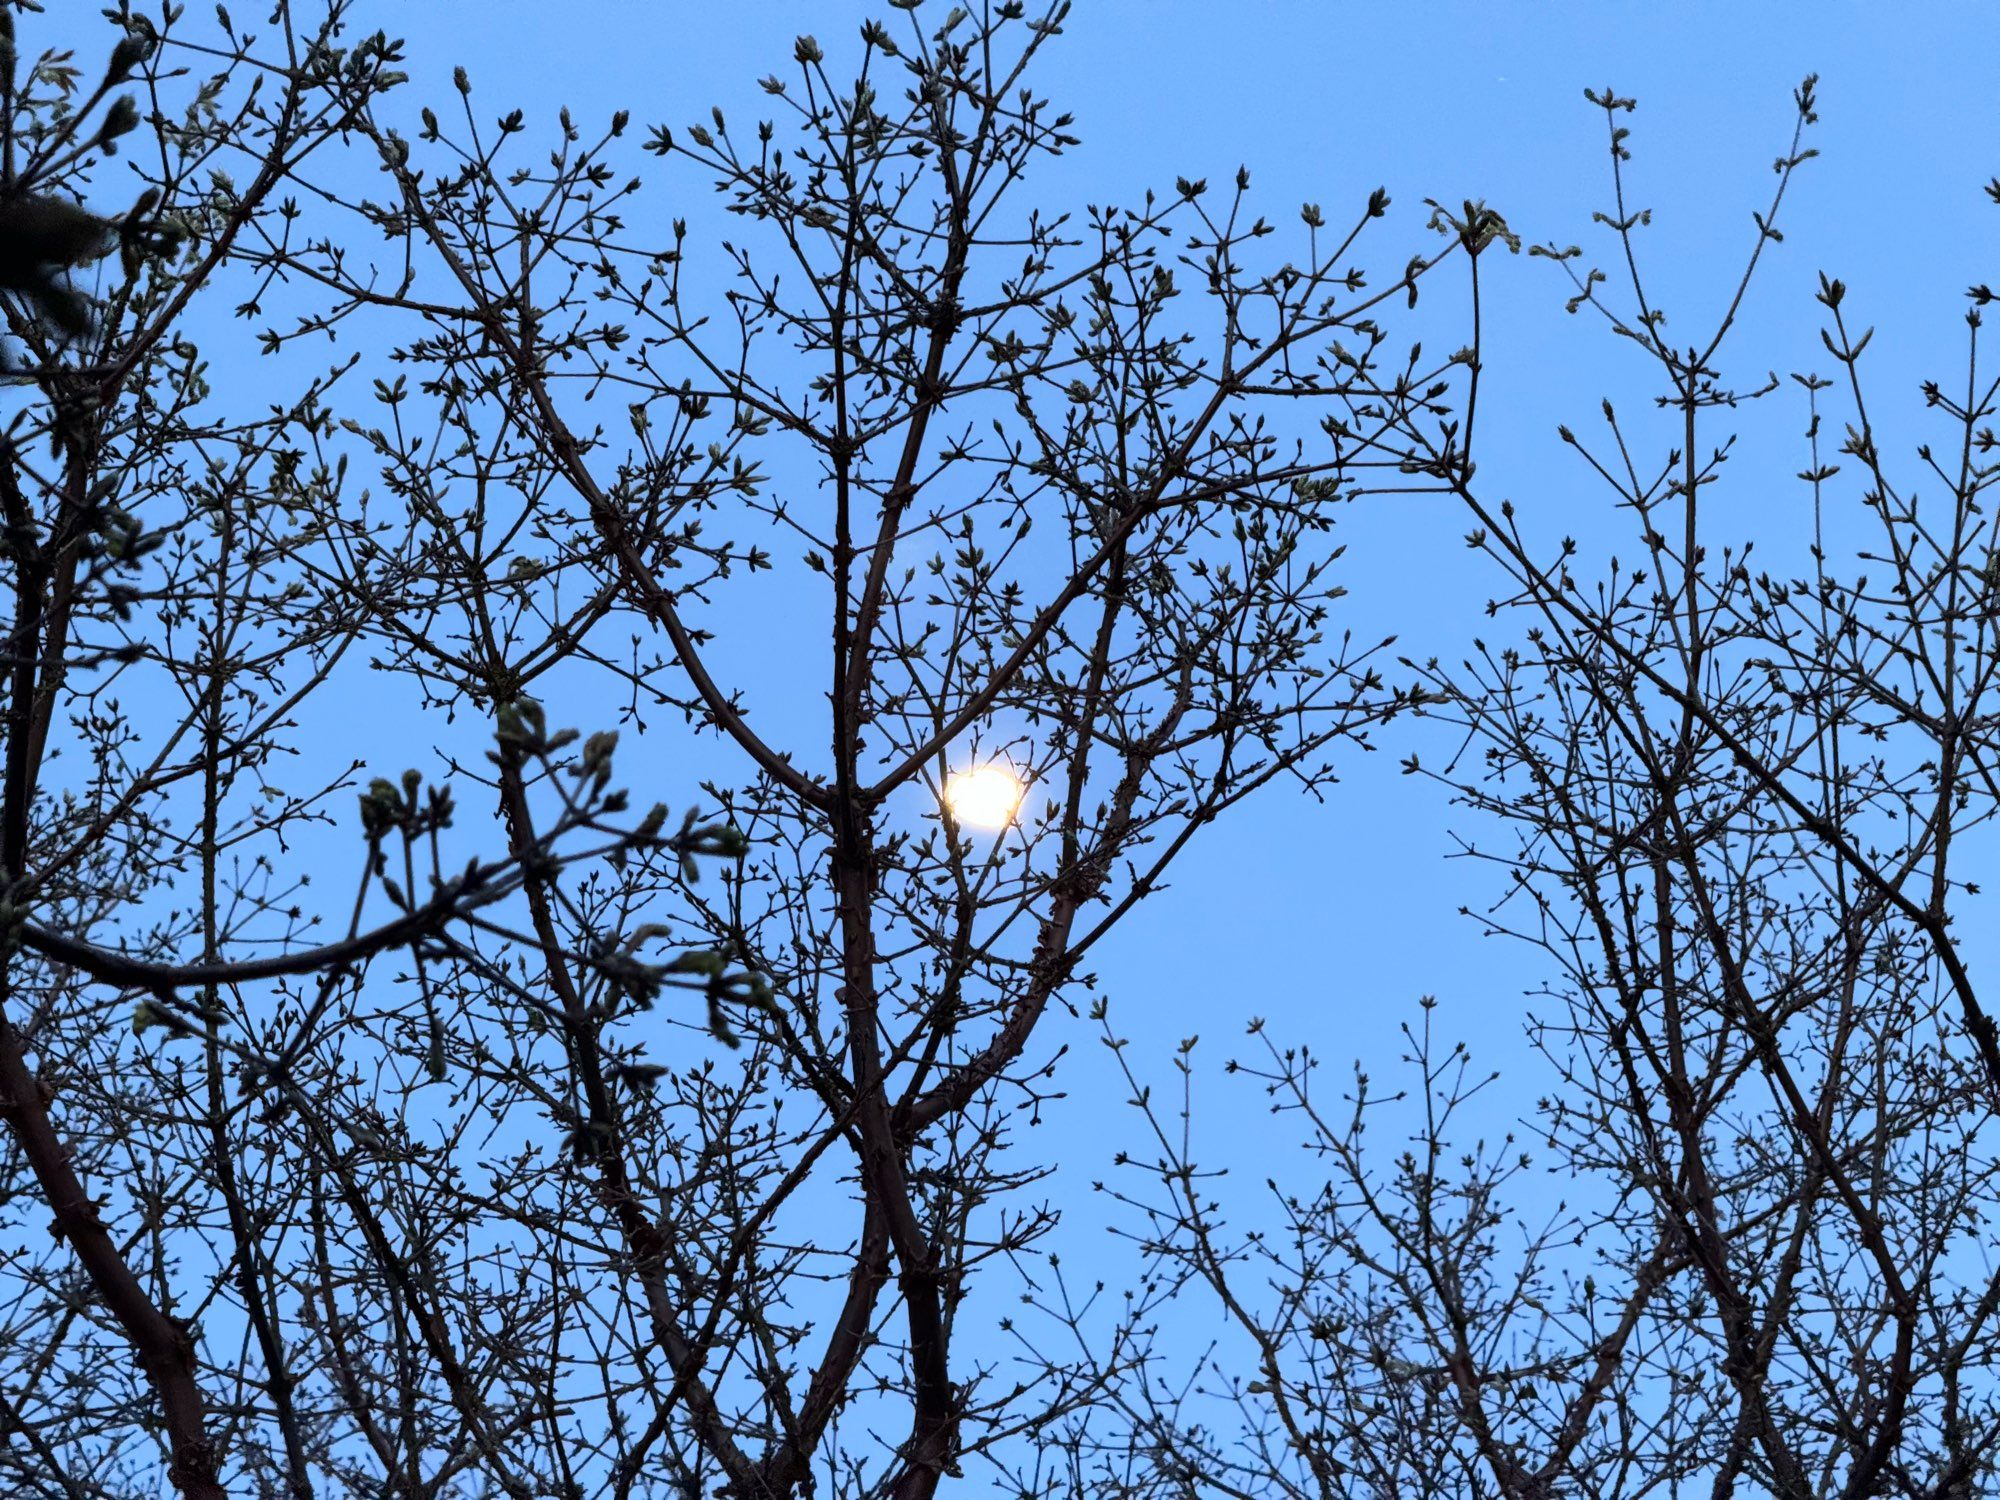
(985, 796)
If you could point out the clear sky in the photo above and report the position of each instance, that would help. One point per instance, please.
(1331, 920)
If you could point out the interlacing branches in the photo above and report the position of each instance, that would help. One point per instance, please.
(1738, 803)
(449, 1189)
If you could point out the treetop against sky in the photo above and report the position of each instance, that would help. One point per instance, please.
(691, 689)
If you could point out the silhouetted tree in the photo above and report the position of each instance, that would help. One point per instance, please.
(1746, 756)
(435, 1186)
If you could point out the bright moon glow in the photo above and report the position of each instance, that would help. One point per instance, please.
(985, 796)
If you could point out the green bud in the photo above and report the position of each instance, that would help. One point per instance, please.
(710, 962)
(132, 49)
(148, 1014)
(119, 121)
(381, 807)
(650, 825)
(597, 750)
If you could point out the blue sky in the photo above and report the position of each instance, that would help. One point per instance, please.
(1351, 904)
(1332, 920)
